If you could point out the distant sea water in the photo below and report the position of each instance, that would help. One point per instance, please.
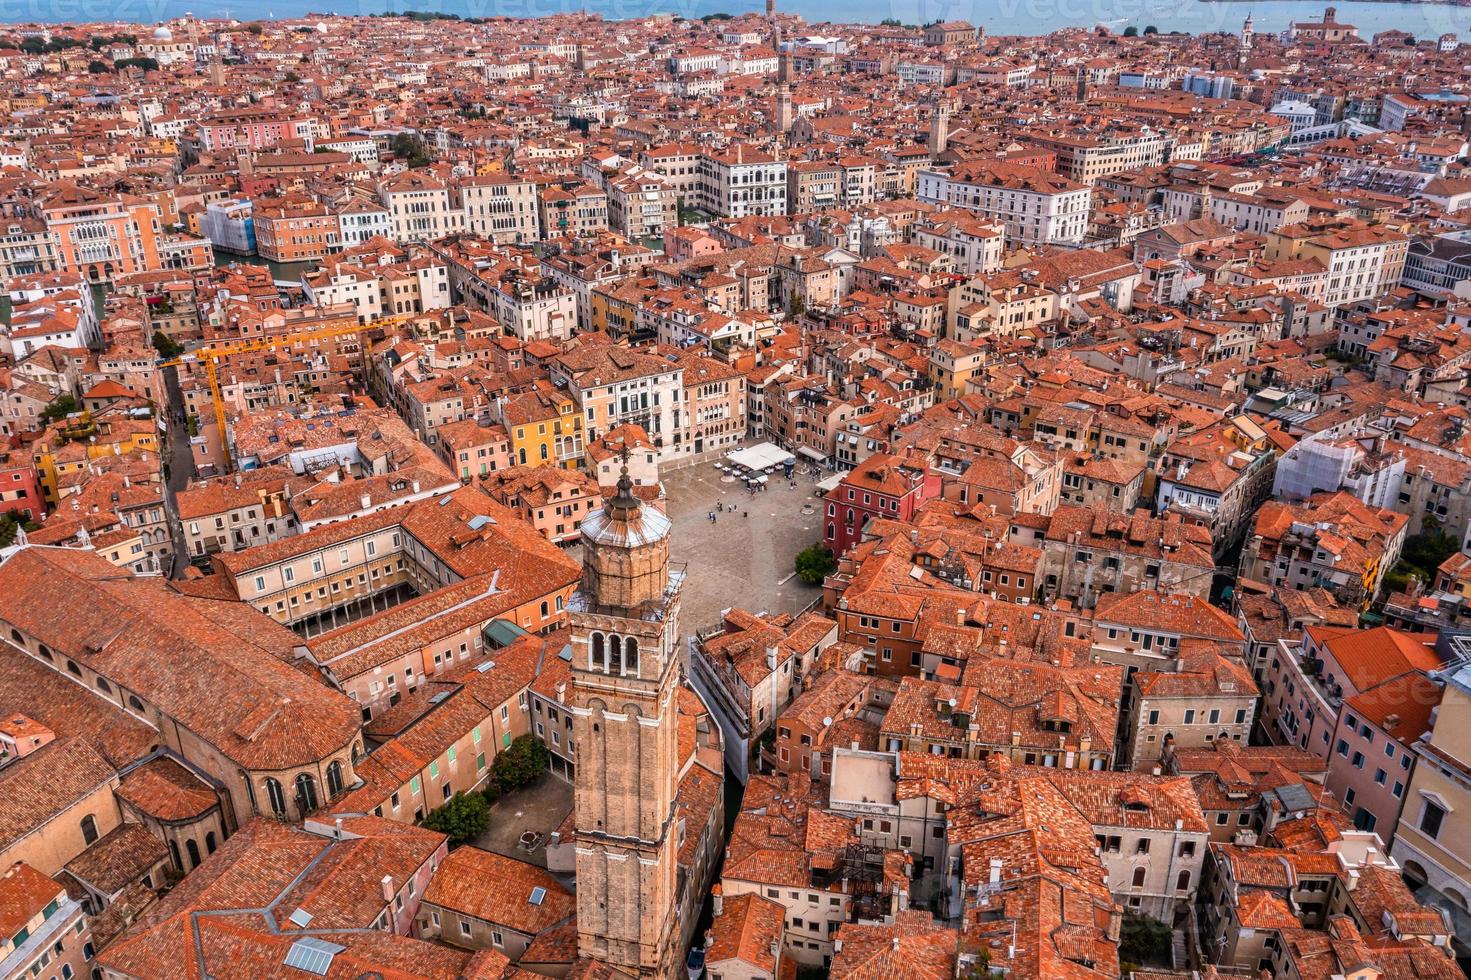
(996, 16)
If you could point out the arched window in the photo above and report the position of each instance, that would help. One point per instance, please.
(45, 651)
(209, 842)
(596, 660)
(134, 703)
(276, 797)
(193, 850)
(17, 638)
(89, 829)
(334, 778)
(615, 654)
(1138, 877)
(174, 854)
(630, 655)
(103, 686)
(306, 793)
(71, 665)
(545, 610)
(1183, 884)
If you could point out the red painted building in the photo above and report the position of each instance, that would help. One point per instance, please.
(20, 488)
(882, 485)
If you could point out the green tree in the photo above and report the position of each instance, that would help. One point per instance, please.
(1397, 579)
(1131, 31)
(407, 146)
(1151, 30)
(1421, 556)
(1143, 940)
(98, 67)
(814, 564)
(520, 763)
(166, 346)
(463, 818)
(10, 524)
(60, 408)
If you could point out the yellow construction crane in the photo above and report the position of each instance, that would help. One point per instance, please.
(212, 355)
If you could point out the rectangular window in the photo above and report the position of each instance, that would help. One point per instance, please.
(1430, 820)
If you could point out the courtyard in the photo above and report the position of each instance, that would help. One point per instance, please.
(539, 808)
(745, 558)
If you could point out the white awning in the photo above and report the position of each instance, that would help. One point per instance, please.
(761, 456)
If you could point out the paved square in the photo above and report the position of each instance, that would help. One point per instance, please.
(739, 560)
(540, 807)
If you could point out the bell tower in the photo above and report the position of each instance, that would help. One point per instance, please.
(939, 126)
(624, 701)
(784, 111)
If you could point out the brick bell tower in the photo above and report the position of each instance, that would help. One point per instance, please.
(625, 676)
